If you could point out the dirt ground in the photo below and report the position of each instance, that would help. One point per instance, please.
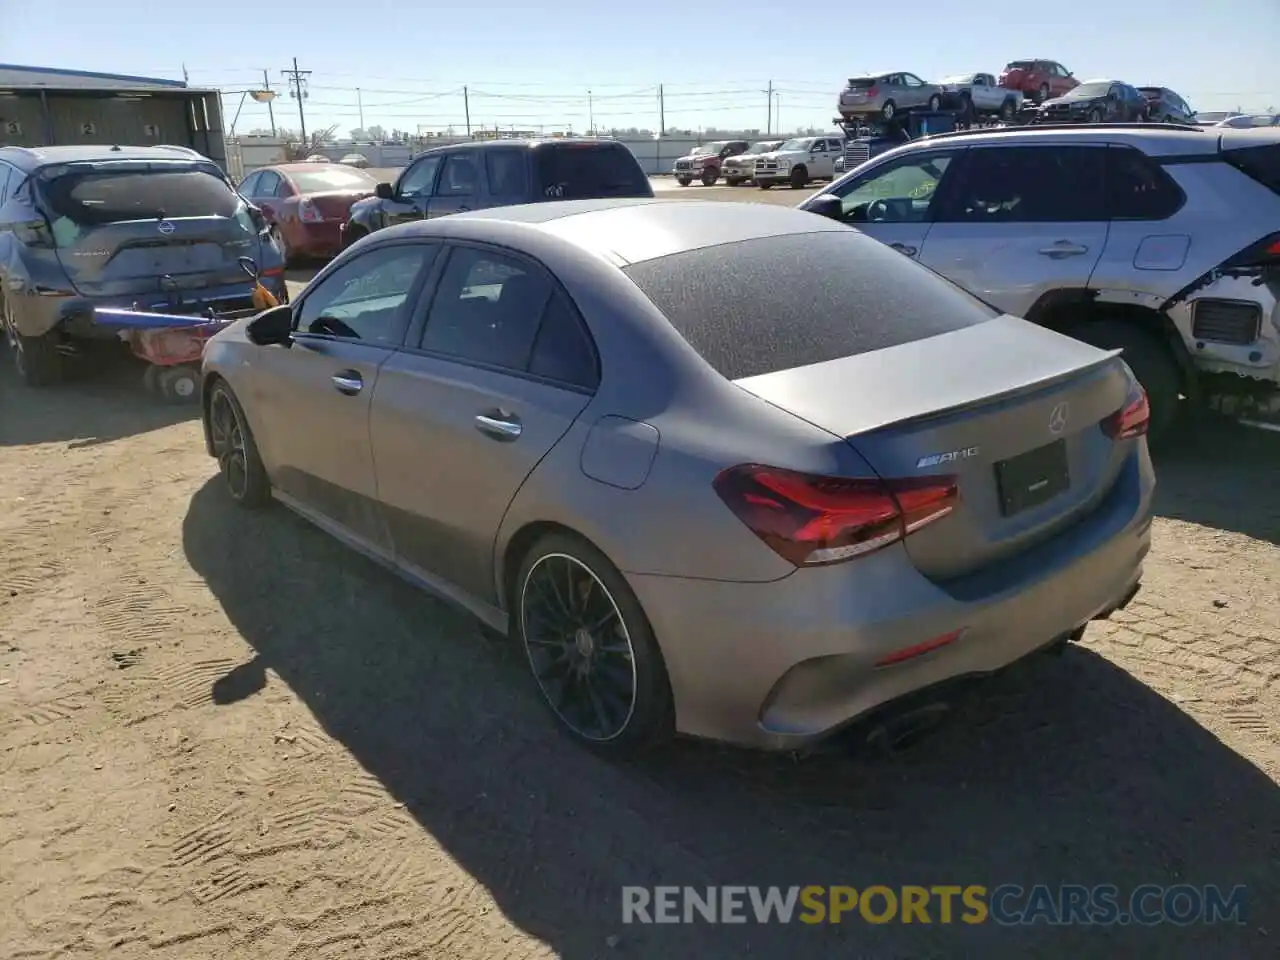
(223, 735)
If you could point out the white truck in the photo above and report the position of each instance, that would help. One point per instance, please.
(799, 161)
(979, 95)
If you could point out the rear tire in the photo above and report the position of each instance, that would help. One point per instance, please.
(889, 110)
(709, 177)
(935, 103)
(1151, 362)
(37, 359)
(764, 184)
(1043, 93)
(606, 685)
(1095, 116)
(1007, 110)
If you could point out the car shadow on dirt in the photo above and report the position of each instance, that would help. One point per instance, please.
(1221, 475)
(98, 406)
(1064, 770)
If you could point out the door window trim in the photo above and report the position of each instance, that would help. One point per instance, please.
(408, 309)
(412, 340)
(429, 190)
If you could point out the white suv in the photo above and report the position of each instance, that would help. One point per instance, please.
(1159, 241)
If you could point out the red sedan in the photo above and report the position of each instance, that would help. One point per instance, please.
(307, 203)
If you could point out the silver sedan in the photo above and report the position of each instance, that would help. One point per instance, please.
(728, 470)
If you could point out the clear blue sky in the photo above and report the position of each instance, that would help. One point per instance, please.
(528, 64)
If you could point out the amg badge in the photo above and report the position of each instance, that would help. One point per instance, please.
(952, 456)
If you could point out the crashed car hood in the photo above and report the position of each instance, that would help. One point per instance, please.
(364, 205)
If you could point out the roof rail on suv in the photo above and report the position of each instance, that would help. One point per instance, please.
(1128, 125)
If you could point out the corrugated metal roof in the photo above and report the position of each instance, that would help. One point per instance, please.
(15, 76)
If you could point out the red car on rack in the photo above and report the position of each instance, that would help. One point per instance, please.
(307, 203)
(1037, 80)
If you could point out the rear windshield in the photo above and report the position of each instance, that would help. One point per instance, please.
(1262, 163)
(93, 197)
(862, 83)
(586, 171)
(331, 178)
(758, 306)
(1021, 65)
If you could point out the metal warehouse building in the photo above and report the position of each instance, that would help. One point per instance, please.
(40, 106)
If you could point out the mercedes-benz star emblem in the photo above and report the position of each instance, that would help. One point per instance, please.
(165, 227)
(1058, 419)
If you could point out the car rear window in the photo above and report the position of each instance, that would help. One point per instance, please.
(759, 306)
(1021, 65)
(332, 178)
(1262, 163)
(93, 196)
(586, 171)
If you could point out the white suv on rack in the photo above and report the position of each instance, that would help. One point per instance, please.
(1160, 241)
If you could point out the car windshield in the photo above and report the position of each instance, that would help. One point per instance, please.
(959, 78)
(1087, 91)
(798, 145)
(763, 147)
(331, 178)
(708, 149)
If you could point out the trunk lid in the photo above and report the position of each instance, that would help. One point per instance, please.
(1010, 409)
(134, 227)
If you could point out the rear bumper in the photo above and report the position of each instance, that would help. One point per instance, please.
(317, 239)
(781, 665)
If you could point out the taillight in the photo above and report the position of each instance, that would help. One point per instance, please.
(872, 91)
(812, 520)
(1132, 419)
(309, 212)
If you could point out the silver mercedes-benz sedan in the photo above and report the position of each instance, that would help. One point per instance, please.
(727, 470)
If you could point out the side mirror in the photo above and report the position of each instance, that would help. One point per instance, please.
(272, 327)
(383, 191)
(827, 205)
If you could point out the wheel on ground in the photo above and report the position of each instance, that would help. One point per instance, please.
(590, 648)
(684, 181)
(764, 184)
(709, 177)
(799, 178)
(178, 385)
(935, 102)
(734, 181)
(1149, 359)
(37, 360)
(889, 110)
(238, 461)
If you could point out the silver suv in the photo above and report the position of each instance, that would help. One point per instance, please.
(1161, 242)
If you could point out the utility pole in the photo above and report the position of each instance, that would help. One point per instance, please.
(297, 88)
(360, 107)
(466, 108)
(768, 122)
(662, 112)
(271, 111)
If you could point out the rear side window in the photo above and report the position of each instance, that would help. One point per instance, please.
(508, 173)
(1261, 163)
(795, 300)
(1137, 189)
(1028, 185)
(585, 171)
(564, 350)
(90, 198)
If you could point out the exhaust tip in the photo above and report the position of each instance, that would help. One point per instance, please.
(901, 732)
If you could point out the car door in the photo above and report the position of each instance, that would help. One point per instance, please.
(411, 195)
(500, 369)
(311, 398)
(819, 162)
(1015, 223)
(459, 187)
(893, 202)
(915, 91)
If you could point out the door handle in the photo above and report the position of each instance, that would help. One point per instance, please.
(348, 382)
(1063, 248)
(904, 249)
(499, 426)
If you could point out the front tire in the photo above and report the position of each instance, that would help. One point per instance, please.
(684, 181)
(1007, 110)
(591, 649)
(1043, 92)
(709, 177)
(1151, 362)
(243, 473)
(799, 178)
(1095, 116)
(764, 184)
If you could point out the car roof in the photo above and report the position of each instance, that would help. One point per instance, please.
(527, 142)
(31, 158)
(627, 231)
(1156, 139)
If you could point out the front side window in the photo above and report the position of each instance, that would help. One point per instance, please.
(902, 191)
(419, 179)
(365, 299)
(911, 80)
(1028, 185)
(487, 309)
